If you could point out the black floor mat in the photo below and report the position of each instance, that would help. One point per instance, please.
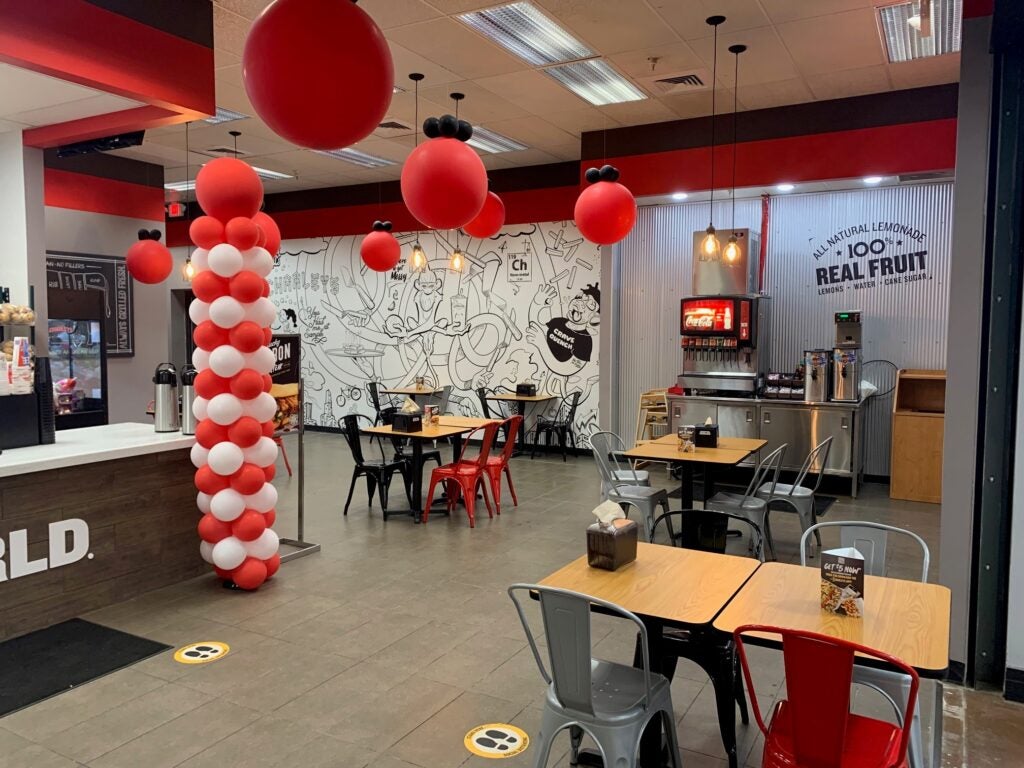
(41, 664)
(821, 502)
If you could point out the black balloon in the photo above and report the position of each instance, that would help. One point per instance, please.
(378, 226)
(143, 234)
(449, 126)
(387, 226)
(154, 234)
(431, 127)
(465, 131)
(593, 175)
(609, 173)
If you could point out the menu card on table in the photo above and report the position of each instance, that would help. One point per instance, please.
(842, 582)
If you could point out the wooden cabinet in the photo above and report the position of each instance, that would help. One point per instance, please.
(918, 421)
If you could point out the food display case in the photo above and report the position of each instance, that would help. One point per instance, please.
(78, 358)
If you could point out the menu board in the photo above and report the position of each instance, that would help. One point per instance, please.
(285, 376)
(108, 275)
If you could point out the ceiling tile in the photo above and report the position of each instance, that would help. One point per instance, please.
(766, 60)
(229, 30)
(250, 9)
(480, 104)
(397, 13)
(687, 17)
(461, 49)
(221, 58)
(671, 59)
(406, 62)
(639, 112)
(73, 110)
(532, 131)
(534, 92)
(611, 26)
(787, 10)
(777, 94)
(461, 6)
(698, 104)
(922, 72)
(582, 119)
(22, 90)
(848, 40)
(849, 82)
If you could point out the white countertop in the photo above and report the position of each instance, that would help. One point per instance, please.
(90, 445)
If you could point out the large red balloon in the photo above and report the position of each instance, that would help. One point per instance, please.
(249, 525)
(245, 432)
(271, 234)
(380, 251)
(318, 72)
(247, 480)
(250, 574)
(490, 219)
(246, 286)
(444, 183)
(227, 188)
(247, 336)
(206, 232)
(208, 384)
(246, 384)
(149, 261)
(210, 482)
(605, 212)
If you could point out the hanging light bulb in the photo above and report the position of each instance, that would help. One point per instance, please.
(731, 254)
(188, 271)
(709, 246)
(457, 261)
(418, 258)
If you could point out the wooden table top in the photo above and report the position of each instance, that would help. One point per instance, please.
(429, 432)
(472, 422)
(681, 586)
(730, 450)
(512, 396)
(414, 390)
(906, 619)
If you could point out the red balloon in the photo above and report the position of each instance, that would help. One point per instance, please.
(206, 232)
(271, 233)
(249, 525)
(380, 251)
(246, 286)
(149, 261)
(273, 563)
(209, 336)
(268, 427)
(248, 479)
(270, 518)
(209, 433)
(318, 72)
(268, 336)
(246, 384)
(444, 183)
(226, 188)
(208, 285)
(261, 236)
(265, 292)
(247, 336)
(208, 384)
(209, 481)
(490, 219)
(242, 233)
(268, 382)
(213, 530)
(605, 212)
(226, 575)
(269, 472)
(245, 432)
(250, 574)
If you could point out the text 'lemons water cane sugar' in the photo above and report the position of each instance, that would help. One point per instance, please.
(201, 653)
(496, 740)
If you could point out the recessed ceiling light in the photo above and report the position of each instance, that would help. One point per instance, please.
(679, 195)
(492, 142)
(180, 186)
(872, 179)
(521, 29)
(266, 175)
(902, 36)
(224, 116)
(785, 187)
(397, 89)
(354, 156)
(596, 81)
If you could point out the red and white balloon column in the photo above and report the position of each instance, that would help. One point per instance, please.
(234, 454)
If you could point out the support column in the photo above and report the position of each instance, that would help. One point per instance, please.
(22, 223)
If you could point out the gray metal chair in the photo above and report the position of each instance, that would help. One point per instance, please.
(611, 447)
(440, 399)
(747, 504)
(871, 539)
(795, 495)
(612, 703)
(626, 493)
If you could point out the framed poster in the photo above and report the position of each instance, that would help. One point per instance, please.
(107, 275)
(287, 349)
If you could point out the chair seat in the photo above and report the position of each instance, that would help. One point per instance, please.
(617, 689)
(869, 743)
(784, 490)
(629, 476)
(377, 464)
(458, 468)
(637, 492)
(729, 501)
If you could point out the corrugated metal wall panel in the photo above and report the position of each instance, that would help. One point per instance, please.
(903, 323)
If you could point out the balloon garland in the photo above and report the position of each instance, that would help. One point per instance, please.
(234, 454)
(148, 260)
(605, 211)
(379, 249)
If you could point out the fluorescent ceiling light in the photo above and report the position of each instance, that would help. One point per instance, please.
(524, 31)
(224, 116)
(903, 40)
(596, 81)
(492, 142)
(872, 179)
(354, 156)
(785, 187)
(266, 175)
(180, 186)
(679, 195)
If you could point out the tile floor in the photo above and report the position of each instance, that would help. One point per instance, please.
(386, 647)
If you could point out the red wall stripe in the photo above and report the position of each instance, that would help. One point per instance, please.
(975, 8)
(79, 192)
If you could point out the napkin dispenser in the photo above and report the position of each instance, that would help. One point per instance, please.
(526, 390)
(611, 545)
(407, 422)
(705, 436)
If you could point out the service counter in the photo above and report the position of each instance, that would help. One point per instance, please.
(104, 514)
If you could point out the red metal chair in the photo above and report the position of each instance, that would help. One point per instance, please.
(498, 464)
(465, 476)
(813, 727)
(284, 454)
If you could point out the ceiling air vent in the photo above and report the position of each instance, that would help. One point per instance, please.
(221, 151)
(677, 82)
(391, 127)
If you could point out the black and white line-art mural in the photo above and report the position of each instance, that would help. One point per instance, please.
(526, 308)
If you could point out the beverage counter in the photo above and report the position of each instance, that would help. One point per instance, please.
(102, 515)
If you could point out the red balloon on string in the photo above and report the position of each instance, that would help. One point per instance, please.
(490, 219)
(213, 530)
(444, 183)
(271, 234)
(208, 285)
(246, 384)
(208, 384)
(605, 212)
(208, 335)
(318, 72)
(273, 563)
(245, 432)
(209, 433)
(206, 232)
(249, 525)
(242, 232)
(246, 286)
(248, 479)
(227, 188)
(250, 574)
(380, 251)
(149, 261)
(247, 336)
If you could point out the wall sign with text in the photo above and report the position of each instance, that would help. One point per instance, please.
(873, 255)
(107, 274)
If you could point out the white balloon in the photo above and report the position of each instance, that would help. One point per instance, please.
(206, 551)
(200, 456)
(200, 359)
(225, 259)
(226, 361)
(258, 260)
(203, 502)
(227, 505)
(224, 408)
(227, 311)
(262, 407)
(225, 458)
(263, 453)
(263, 547)
(264, 500)
(262, 312)
(200, 406)
(198, 311)
(261, 361)
(228, 553)
(200, 259)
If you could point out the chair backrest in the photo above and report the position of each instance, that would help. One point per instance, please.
(815, 462)
(871, 540)
(351, 432)
(819, 670)
(481, 393)
(706, 530)
(769, 466)
(373, 391)
(486, 441)
(510, 427)
(445, 396)
(567, 412)
(604, 446)
(566, 616)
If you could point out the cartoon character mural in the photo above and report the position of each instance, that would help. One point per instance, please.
(526, 308)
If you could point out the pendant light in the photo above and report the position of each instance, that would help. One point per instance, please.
(710, 248)
(188, 271)
(418, 257)
(457, 260)
(731, 254)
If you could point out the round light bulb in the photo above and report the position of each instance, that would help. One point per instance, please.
(710, 246)
(418, 259)
(732, 250)
(455, 264)
(189, 270)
